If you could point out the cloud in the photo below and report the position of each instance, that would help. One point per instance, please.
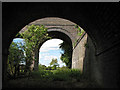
(46, 57)
(52, 44)
(19, 40)
(49, 57)
(46, 49)
(60, 62)
(45, 60)
(49, 50)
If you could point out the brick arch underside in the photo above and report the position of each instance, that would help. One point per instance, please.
(100, 22)
(59, 35)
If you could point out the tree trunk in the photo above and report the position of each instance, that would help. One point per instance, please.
(36, 58)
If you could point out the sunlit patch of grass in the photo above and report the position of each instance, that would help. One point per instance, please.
(60, 75)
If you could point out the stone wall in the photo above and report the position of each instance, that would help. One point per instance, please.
(100, 21)
(90, 63)
(84, 58)
(79, 54)
(103, 68)
(57, 24)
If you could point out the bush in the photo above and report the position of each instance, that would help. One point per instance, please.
(62, 74)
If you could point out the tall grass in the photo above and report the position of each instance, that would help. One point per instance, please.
(65, 78)
(60, 74)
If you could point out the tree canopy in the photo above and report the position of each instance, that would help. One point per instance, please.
(15, 57)
(33, 36)
(66, 56)
(54, 63)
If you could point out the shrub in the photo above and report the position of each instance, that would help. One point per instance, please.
(62, 74)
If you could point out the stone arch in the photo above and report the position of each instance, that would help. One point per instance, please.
(62, 29)
(56, 35)
(100, 22)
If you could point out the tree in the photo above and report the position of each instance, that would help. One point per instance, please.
(34, 35)
(16, 55)
(54, 63)
(66, 57)
(42, 67)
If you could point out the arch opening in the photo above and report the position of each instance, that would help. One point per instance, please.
(62, 36)
(68, 34)
(50, 50)
(100, 26)
(61, 29)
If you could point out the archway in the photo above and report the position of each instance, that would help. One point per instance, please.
(50, 50)
(61, 36)
(65, 30)
(94, 18)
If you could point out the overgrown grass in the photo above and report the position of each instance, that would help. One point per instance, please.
(61, 78)
(60, 74)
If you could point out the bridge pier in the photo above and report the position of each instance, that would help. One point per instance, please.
(79, 54)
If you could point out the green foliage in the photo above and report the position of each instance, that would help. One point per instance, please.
(74, 44)
(63, 68)
(58, 75)
(34, 35)
(48, 68)
(16, 55)
(66, 56)
(76, 26)
(79, 30)
(61, 74)
(18, 35)
(54, 63)
(63, 77)
(41, 67)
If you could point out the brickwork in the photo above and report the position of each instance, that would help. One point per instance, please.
(79, 54)
(58, 24)
(99, 20)
(68, 28)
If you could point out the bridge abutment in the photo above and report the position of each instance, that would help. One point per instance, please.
(79, 54)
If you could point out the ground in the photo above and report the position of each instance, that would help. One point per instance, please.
(52, 79)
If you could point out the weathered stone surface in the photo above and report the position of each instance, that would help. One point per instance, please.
(68, 28)
(79, 54)
(57, 24)
(99, 20)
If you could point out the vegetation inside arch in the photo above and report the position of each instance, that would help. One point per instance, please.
(23, 75)
(66, 57)
(19, 52)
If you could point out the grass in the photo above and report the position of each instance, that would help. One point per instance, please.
(62, 78)
(54, 75)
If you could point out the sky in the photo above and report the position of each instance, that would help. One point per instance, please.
(18, 40)
(50, 49)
